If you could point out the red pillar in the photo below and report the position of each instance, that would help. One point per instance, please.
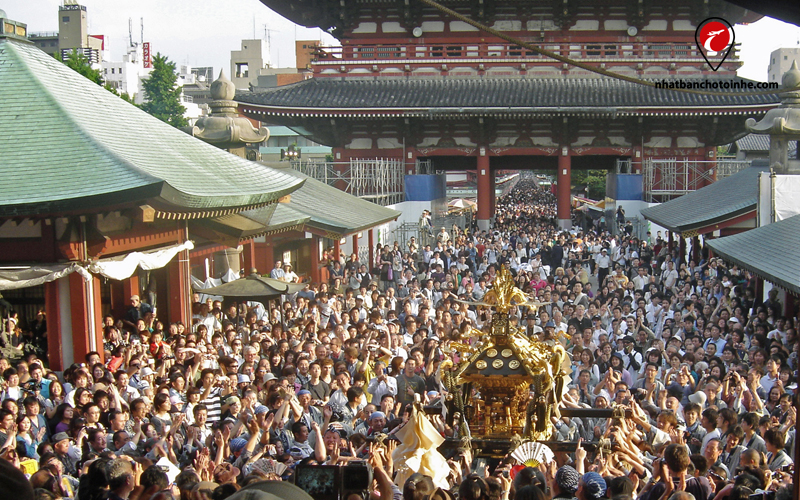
(636, 161)
(178, 289)
(267, 259)
(564, 181)
(492, 192)
(337, 249)
(696, 249)
(54, 353)
(249, 255)
(130, 287)
(484, 190)
(355, 246)
(86, 316)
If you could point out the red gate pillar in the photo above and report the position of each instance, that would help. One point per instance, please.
(564, 181)
(485, 194)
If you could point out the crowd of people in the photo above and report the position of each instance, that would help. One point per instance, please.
(703, 370)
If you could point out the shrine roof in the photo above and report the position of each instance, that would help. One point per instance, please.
(770, 251)
(716, 203)
(329, 208)
(760, 142)
(69, 145)
(486, 96)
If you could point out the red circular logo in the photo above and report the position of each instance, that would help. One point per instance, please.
(715, 36)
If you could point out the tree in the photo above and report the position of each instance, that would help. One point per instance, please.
(595, 179)
(163, 94)
(80, 63)
(124, 96)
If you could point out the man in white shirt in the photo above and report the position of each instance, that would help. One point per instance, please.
(641, 280)
(670, 276)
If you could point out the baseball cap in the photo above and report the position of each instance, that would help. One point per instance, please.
(60, 436)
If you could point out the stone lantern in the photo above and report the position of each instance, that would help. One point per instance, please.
(782, 124)
(224, 127)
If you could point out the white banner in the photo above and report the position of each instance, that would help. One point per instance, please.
(787, 203)
(122, 267)
(11, 279)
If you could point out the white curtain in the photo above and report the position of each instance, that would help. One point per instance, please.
(11, 279)
(122, 267)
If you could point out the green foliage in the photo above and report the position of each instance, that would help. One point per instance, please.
(163, 94)
(124, 96)
(80, 63)
(595, 179)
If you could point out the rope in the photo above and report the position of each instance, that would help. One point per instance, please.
(588, 67)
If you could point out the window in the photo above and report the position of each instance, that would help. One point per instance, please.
(65, 19)
(120, 71)
(112, 71)
(785, 58)
(242, 70)
(105, 71)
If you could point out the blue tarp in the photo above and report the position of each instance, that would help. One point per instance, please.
(425, 187)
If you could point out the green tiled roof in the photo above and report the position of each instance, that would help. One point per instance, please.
(718, 202)
(769, 251)
(330, 209)
(68, 145)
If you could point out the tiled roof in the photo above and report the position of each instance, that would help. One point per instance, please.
(753, 142)
(68, 144)
(329, 208)
(721, 201)
(510, 94)
(760, 142)
(769, 251)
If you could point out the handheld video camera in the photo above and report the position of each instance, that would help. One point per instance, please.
(334, 482)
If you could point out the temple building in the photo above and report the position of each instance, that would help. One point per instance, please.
(414, 84)
(92, 214)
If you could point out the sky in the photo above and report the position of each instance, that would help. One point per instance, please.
(203, 32)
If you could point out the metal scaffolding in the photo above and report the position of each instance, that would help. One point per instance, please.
(665, 179)
(379, 180)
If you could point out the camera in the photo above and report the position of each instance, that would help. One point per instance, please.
(334, 482)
